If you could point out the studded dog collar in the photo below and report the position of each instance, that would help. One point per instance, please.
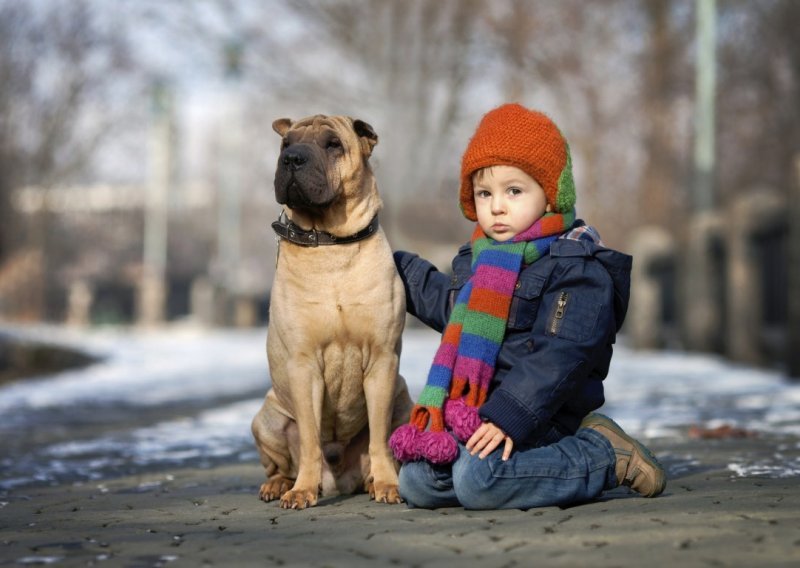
(287, 230)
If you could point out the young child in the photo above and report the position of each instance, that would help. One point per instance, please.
(529, 317)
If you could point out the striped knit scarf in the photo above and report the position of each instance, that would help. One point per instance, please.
(466, 357)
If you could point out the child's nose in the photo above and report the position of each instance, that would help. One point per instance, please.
(498, 205)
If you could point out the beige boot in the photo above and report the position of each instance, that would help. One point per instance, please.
(637, 468)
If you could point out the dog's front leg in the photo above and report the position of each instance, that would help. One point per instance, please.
(306, 389)
(379, 388)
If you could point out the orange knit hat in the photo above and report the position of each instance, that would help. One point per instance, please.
(512, 135)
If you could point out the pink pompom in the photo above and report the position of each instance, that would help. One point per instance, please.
(461, 418)
(437, 447)
(403, 443)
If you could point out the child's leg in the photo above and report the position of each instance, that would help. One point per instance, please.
(575, 469)
(427, 486)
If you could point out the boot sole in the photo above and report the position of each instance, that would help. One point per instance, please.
(649, 458)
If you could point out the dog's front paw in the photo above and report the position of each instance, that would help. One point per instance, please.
(274, 488)
(384, 493)
(298, 499)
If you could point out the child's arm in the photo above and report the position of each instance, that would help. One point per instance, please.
(427, 289)
(574, 321)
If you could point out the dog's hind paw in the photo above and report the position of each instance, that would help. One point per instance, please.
(298, 499)
(384, 493)
(274, 488)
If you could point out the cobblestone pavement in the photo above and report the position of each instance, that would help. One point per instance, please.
(709, 516)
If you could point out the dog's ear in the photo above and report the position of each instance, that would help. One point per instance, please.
(282, 126)
(367, 136)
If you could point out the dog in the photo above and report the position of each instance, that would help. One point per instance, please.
(337, 311)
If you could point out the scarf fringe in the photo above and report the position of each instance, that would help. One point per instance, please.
(461, 418)
(409, 444)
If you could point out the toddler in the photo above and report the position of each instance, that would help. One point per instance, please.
(529, 319)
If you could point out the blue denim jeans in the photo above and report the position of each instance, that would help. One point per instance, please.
(572, 470)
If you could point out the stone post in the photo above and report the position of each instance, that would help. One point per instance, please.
(751, 212)
(201, 302)
(649, 246)
(79, 304)
(702, 284)
(793, 339)
(245, 312)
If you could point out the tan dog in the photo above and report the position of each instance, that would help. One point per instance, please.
(336, 316)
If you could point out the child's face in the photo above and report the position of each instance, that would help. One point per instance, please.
(507, 201)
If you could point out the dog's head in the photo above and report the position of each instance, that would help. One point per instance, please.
(322, 158)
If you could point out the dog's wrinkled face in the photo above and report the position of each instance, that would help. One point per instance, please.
(318, 154)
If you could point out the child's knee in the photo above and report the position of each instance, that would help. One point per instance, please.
(416, 485)
(474, 485)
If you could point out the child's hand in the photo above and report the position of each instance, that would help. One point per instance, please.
(486, 438)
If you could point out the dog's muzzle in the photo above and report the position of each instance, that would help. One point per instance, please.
(300, 179)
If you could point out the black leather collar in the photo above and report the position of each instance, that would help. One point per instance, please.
(287, 230)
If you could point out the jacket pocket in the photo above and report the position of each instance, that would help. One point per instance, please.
(525, 302)
(572, 317)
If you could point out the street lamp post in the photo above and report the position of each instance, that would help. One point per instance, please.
(153, 286)
(703, 309)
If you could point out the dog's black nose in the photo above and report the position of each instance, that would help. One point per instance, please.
(293, 159)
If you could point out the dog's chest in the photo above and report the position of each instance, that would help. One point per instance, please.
(344, 410)
(340, 296)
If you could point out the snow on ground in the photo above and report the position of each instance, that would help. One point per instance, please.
(180, 396)
(147, 368)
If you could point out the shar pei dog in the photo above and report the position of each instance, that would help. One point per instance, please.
(337, 311)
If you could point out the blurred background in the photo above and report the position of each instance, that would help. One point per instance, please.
(137, 155)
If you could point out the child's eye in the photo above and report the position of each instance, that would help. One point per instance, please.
(481, 193)
(514, 190)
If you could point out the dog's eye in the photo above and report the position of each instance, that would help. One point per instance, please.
(334, 143)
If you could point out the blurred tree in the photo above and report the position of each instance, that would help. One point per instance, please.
(407, 69)
(759, 95)
(579, 66)
(423, 72)
(667, 73)
(59, 73)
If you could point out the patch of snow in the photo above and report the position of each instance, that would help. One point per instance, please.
(651, 394)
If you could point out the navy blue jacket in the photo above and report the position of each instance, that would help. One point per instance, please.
(563, 320)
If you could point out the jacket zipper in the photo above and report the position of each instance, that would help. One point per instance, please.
(558, 313)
